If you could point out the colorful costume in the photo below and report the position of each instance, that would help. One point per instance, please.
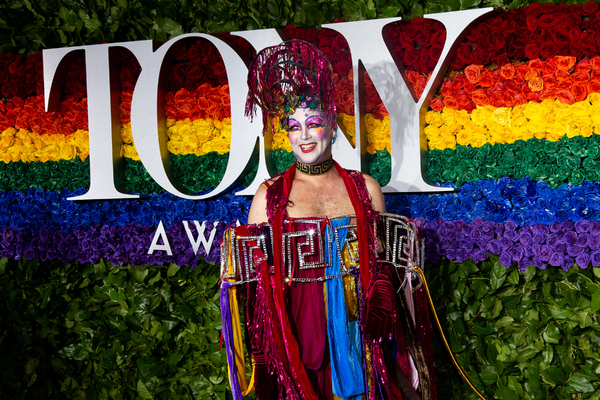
(329, 304)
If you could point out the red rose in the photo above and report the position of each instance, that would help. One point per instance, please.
(480, 97)
(450, 102)
(513, 87)
(580, 77)
(501, 60)
(379, 111)
(548, 49)
(219, 69)
(549, 81)
(532, 51)
(437, 104)
(579, 91)
(563, 85)
(410, 57)
(533, 9)
(561, 36)
(593, 86)
(589, 8)
(565, 96)
(537, 65)
(446, 89)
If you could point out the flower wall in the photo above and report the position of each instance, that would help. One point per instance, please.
(514, 126)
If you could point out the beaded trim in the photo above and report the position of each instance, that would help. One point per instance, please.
(316, 169)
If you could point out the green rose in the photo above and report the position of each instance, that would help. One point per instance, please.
(551, 147)
(577, 177)
(593, 149)
(578, 146)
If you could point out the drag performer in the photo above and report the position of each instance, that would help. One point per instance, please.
(325, 305)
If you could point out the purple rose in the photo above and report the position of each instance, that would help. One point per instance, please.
(510, 235)
(539, 239)
(561, 247)
(517, 253)
(556, 259)
(583, 260)
(525, 237)
(506, 259)
(461, 255)
(568, 225)
(494, 246)
(583, 239)
(487, 229)
(524, 263)
(506, 244)
(477, 222)
(500, 230)
(451, 253)
(545, 253)
(595, 228)
(574, 250)
(476, 233)
(511, 225)
(556, 227)
(553, 240)
(583, 226)
(466, 229)
(540, 229)
(570, 237)
(595, 256)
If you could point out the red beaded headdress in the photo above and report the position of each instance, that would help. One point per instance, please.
(293, 74)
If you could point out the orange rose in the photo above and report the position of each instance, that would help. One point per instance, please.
(473, 73)
(536, 84)
(450, 102)
(564, 62)
(580, 77)
(563, 75)
(549, 81)
(549, 67)
(508, 71)
(480, 98)
(536, 65)
(486, 79)
(437, 104)
(579, 91)
(566, 85)
(532, 73)
(593, 86)
(565, 96)
(595, 61)
(584, 66)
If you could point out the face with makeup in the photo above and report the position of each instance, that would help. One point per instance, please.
(310, 135)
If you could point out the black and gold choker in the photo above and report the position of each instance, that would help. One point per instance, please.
(316, 169)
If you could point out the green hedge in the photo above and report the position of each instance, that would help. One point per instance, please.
(519, 335)
(83, 331)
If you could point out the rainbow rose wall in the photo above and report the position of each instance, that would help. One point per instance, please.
(120, 298)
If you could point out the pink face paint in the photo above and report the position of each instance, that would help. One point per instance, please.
(310, 136)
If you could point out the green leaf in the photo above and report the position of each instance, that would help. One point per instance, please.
(142, 391)
(173, 268)
(554, 375)
(504, 393)
(577, 383)
(552, 334)
(504, 321)
(514, 385)
(525, 355)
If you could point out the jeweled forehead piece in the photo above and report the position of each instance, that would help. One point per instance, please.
(293, 74)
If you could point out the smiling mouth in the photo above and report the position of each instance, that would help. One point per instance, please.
(307, 148)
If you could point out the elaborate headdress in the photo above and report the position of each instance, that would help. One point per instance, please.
(293, 74)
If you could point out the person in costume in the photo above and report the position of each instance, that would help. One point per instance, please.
(325, 316)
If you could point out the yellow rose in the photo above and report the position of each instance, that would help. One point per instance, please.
(502, 115)
(434, 118)
(191, 141)
(68, 152)
(594, 98)
(463, 138)
(126, 135)
(6, 157)
(175, 147)
(207, 147)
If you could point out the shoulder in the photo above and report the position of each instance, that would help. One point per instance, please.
(377, 199)
(258, 209)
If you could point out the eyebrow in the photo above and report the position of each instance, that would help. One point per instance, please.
(320, 120)
(292, 122)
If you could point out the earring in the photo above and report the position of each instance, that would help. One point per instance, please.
(334, 139)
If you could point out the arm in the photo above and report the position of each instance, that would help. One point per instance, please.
(258, 209)
(376, 194)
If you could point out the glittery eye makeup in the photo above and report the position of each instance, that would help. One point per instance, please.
(293, 125)
(314, 120)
